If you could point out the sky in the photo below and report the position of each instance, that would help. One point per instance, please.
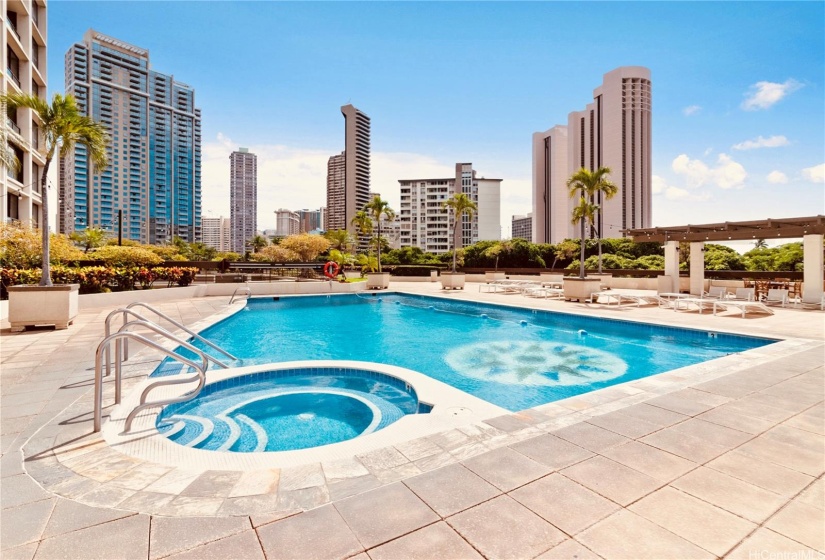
(738, 103)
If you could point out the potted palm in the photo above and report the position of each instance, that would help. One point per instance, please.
(376, 210)
(585, 184)
(61, 127)
(460, 204)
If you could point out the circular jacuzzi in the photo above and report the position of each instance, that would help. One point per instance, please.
(288, 409)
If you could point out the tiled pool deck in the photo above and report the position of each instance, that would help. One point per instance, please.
(724, 459)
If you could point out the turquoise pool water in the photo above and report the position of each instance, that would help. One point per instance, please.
(512, 357)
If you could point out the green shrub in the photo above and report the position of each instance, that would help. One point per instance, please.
(127, 257)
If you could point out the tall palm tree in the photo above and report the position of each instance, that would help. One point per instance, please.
(258, 242)
(378, 208)
(8, 159)
(461, 204)
(362, 222)
(591, 185)
(340, 239)
(583, 212)
(62, 126)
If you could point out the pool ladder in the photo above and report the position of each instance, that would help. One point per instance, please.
(243, 289)
(121, 339)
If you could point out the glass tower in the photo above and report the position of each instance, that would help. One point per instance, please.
(154, 175)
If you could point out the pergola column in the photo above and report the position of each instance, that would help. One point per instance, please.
(672, 263)
(814, 270)
(697, 268)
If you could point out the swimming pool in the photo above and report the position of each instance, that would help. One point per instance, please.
(512, 357)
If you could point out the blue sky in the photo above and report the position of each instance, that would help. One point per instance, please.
(738, 103)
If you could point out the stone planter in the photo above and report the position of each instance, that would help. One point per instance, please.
(557, 280)
(604, 277)
(452, 280)
(378, 280)
(433, 276)
(31, 306)
(580, 289)
(492, 276)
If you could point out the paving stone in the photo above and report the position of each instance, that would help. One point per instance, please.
(505, 468)
(191, 506)
(627, 535)
(552, 451)
(697, 521)
(731, 419)
(126, 538)
(764, 474)
(319, 534)
(503, 528)
(106, 495)
(764, 543)
(23, 552)
(654, 415)
(212, 484)
(346, 487)
(69, 516)
(171, 535)
(383, 459)
(800, 438)
(442, 459)
(731, 494)
(713, 433)
(564, 503)
(417, 449)
(306, 498)
(401, 512)
(814, 495)
(343, 468)
(769, 449)
(25, 523)
(612, 480)
(808, 421)
(140, 477)
(802, 523)
(20, 489)
(173, 482)
(244, 506)
(590, 436)
(686, 446)
(508, 422)
(261, 519)
(243, 546)
(627, 426)
(434, 542)
(569, 550)
(451, 489)
(256, 482)
(298, 478)
(653, 462)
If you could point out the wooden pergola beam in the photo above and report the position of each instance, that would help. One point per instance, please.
(782, 228)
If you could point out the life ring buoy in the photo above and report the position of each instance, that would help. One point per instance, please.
(331, 269)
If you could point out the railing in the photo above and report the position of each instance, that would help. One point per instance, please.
(244, 289)
(122, 334)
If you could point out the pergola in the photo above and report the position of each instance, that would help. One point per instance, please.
(810, 229)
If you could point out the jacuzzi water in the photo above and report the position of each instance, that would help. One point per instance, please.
(512, 357)
(287, 410)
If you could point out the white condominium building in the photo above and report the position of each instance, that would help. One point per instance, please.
(24, 50)
(425, 223)
(613, 131)
(216, 232)
(287, 223)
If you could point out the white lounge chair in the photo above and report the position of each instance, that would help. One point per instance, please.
(813, 304)
(717, 292)
(776, 296)
(543, 292)
(699, 303)
(744, 306)
(744, 294)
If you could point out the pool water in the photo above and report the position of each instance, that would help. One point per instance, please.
(289, 409)
(512, 357)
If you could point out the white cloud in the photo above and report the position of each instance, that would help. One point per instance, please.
(777, 178)
(659, 186)
(691, 110)
(815, 174)
(760, 142)
(727, 174)
(763, 95)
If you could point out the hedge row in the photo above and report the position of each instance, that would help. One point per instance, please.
(97, 279)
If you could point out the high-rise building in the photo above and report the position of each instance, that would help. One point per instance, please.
(312, 220)
(243, 198)
(216, 232)
(154, 175)
(613, 131)
(287, 222)
(24, 49)
(523, 227)
(348, 174)
(425, 223)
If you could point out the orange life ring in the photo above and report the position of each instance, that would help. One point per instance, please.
(331, 269)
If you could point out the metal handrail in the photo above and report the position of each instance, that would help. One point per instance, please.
(140, 318)
(181, 327)
(127, 335)
(246, 289)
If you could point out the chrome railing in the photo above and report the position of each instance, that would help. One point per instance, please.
(244, 289)
(200, 370)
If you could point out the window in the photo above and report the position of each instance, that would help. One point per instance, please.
(13, 207)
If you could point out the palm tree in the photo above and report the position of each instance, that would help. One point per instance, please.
(89, 238)
(460, 204)
(8, 159)
(760, 244)
(377, 208)
(62, 126)
(583, 212)
(587, 185)
(362, 222)
(258, 242)
(340, 239)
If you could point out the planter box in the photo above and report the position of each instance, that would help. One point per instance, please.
(452, 280)
(492, 276)
(378, 280)
(580, 289)
(31, 306)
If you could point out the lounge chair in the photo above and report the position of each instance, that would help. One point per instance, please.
(717, 292)
(776, 296)
(744, 306)
(813, 304)
(543, 292)
(608, 295)
(744, 294)
(699, 303)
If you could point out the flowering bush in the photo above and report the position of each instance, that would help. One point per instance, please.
(180, 275)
